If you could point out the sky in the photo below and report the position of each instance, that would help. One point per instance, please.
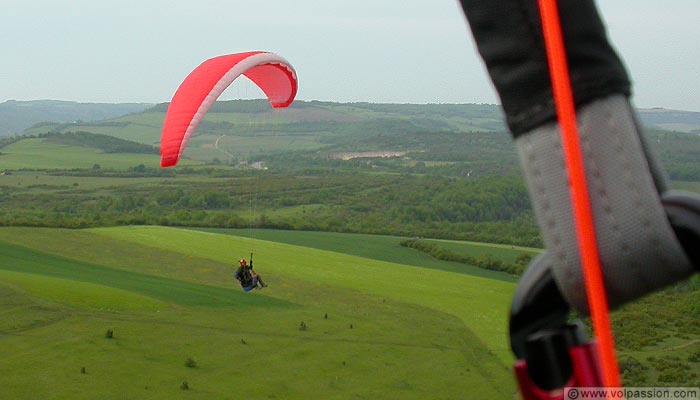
(400, 51)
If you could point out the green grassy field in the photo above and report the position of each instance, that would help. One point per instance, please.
(222, 146)
(40, 154)
(42, 182)
(374, 328)
(141, 127)
(375, 247)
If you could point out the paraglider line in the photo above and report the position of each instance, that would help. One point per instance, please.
(581, 203)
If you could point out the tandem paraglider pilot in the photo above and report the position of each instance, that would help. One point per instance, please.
(248, 278)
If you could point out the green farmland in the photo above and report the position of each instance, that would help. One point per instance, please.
(39, 154)
(183, 329)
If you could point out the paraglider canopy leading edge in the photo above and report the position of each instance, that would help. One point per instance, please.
(274, 75)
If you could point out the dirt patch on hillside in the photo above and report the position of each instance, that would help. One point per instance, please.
(366, 154)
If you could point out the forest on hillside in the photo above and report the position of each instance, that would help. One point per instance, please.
(485, 209)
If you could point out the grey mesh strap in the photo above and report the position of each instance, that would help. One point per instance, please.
(639, 251)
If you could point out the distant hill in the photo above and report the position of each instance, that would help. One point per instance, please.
(17, 116)
(466, 139)
(241, 128)
(671, 120)
(43, 115)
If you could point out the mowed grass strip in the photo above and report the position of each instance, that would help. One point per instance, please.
(86, 246)
(25, 260)
(79, 294)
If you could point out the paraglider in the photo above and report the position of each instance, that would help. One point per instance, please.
(274, 75)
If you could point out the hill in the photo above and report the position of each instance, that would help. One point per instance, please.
(152, 312)
(17, 116)
(671, 120)
(144, 312)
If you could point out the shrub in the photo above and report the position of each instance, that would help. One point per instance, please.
(190, 363)
(695, 357)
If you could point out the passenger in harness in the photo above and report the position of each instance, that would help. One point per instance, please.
(248, 278)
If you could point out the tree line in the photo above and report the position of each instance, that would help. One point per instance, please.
(485, 261)
(488, 209)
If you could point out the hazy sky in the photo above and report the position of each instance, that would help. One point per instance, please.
(404, 51)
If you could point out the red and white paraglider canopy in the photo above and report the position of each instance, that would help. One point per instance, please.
(200, 89)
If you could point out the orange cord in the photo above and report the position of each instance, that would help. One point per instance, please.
(583, 215)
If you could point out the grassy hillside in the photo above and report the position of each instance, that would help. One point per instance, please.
(168, 296)
(376, 246)
(40, 153)
(372, 328)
